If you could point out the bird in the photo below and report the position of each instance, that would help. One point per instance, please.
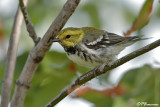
(91, 47)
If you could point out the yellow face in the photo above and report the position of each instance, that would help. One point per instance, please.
(70, 36)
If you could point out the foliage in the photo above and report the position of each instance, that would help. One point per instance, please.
(137, 85)
(56, 72)
(50, 78)
(143, 17)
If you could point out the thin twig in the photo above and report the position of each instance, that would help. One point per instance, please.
(101, 70)
(11, 58)
(29, 25)
(39, 51)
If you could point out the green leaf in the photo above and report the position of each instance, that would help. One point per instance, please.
(139, 85)
(143, 85)
(98, 99)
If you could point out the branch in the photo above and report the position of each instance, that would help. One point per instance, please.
(101, 70)
(39, 51)
(29, 25)
(11, 58)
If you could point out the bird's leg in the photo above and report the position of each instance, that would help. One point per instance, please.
(95, 74)
(106, 64)
(101, 68)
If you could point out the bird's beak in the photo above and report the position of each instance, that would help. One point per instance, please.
(56, 40)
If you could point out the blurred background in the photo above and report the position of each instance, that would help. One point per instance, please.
(136, 81)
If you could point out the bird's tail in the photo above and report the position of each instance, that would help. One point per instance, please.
(136, 38)
(130, 40)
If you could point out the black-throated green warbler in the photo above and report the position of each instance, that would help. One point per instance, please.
(92, 47)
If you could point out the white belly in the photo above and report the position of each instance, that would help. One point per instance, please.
(82, 62)
(98, 57)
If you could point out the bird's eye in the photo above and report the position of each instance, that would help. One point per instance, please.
(68, 36)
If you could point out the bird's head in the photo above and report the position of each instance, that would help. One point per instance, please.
(69, 37)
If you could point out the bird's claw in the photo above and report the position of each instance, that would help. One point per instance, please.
(101, 68)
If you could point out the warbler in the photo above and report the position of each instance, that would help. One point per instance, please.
(91, 47)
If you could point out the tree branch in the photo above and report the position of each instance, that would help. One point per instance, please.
(39, 51)
(29, 25)
(11, 58)
(101, 70)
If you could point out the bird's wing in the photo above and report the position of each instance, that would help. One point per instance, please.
(114, 38)
(110, 39)
(102, 41)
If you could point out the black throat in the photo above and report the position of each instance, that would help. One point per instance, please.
(70, 50)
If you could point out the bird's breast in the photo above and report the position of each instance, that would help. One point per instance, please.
(83, 57)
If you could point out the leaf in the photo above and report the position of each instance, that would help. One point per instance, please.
(115, 91)
(137, 85)
(143, 17)
(143, 85)
(98, 99)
